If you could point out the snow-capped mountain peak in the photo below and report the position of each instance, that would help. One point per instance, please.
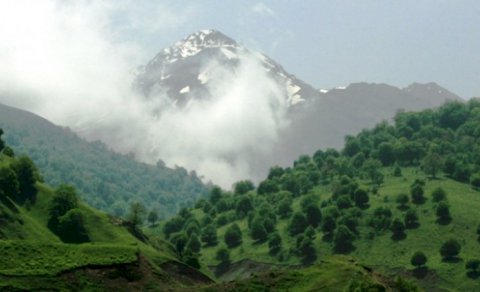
(189, 63)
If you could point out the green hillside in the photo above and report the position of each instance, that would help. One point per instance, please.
(104, 179)
(49, 240)
(395, 191)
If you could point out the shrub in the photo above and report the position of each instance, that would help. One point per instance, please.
(418, 259)
(450, 249)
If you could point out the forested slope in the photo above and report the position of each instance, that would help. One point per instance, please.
(402, 198)
(104, 179)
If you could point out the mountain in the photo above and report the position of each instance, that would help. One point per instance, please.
(105, 179)
(184, 70)
(347, 110)
(206, 68)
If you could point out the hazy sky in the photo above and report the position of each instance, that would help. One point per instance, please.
(332, 43)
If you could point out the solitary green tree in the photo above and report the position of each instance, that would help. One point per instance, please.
(450, 249)
(136, 215)
(419, 259)
(443, 213)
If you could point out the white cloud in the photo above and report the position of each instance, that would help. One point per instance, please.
(262, 9)
(70, 61)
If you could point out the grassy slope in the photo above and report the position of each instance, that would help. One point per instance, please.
(34, 257)
(382, 252)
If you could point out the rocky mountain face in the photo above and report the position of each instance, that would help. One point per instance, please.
(185, 70)
(190, 70)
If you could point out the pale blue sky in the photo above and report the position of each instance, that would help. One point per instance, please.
(333, 43)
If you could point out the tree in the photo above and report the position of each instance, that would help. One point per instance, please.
(313, 215)
(233, 236)
(298, 223)
(432, 163)
(402, 201)
(8, 151)
(329, 224)
(27, 174)
(398, 229)
(71, 228)
(243, 187)
(473, 268)
(443, 213)
(450, 249)
(475, 181)
(305, 249)
(386, 153)
(274, 243)
(397, 171)
(223, 255)
(478, 233)
(152, 217)
(411, 219)
(257, 229)
(194, 244)
(438, 195)
(179, 240)
(244, 205)
(9, 183)
(416, 191)
(209, 235)
(64, 199)
(284, 209)
(343, 239)
(418, 259)
(173, 225)
(136, 215)
(215, 195)
(267, 186)
(361, 198)
(2, 143)
(371, 169)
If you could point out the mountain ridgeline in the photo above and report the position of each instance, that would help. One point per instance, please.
(105, 180)
(400, 197)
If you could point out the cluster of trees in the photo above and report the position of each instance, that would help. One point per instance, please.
(443, 140)
(65, 218)
(18, 177)
(104, 179)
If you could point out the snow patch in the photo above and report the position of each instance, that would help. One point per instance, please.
(184, 90)
(341, 87)
(324, 90)
(292, 90)
(203, 77)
